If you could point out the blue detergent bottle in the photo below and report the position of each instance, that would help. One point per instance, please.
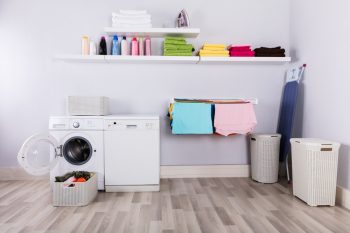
(115, 46)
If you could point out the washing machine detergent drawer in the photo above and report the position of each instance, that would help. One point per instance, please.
(131, 152)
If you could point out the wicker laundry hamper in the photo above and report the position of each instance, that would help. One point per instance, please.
(79, 194)
(265, 157)
(315, 165)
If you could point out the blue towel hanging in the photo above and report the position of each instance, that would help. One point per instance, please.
(192, 118)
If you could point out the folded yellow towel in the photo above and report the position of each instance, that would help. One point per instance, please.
(214, 51)
(211, 48)
(213, 55)
(214, 45)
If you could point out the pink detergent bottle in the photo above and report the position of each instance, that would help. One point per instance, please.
(134, 47)
(148, 46)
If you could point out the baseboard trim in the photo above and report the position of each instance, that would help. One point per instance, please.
(204, 171)
(192, 171)
(18, 173)
(343, 197)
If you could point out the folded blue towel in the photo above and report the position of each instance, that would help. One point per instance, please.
(192, 118)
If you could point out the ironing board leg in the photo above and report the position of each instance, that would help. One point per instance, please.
(287, 169)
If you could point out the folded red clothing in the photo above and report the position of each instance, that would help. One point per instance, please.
(242, 54)
(239, 48)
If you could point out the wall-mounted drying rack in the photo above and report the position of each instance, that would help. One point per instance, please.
(224, 116)
(216, 100)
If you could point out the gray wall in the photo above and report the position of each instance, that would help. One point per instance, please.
(320, 37)
(33, 86)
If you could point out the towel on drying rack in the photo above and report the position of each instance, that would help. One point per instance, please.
(192, 118)
(234, 118)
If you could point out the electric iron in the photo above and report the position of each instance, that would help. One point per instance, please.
(182, 19)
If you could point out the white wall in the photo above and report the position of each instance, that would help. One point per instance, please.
(320, 37)
(33, 86)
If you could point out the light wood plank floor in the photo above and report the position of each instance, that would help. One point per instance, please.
(210, 205)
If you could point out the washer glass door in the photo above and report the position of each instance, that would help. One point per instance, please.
(39, 154)
(77, 150)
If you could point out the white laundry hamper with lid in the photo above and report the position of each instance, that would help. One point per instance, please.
(264, 150)
(314, 166)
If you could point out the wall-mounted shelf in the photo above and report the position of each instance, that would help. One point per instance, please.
(129, 59)
(80, 58)
(232, 60)
(152, 59)
(172, 59)
(153, 32)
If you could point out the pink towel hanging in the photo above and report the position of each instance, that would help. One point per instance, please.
(234, 118)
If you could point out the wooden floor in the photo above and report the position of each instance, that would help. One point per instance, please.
(210, 205)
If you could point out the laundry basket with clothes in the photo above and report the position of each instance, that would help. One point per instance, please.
(75, 189)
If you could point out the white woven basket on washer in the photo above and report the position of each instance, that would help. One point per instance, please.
(265, 157)
(315, 165)
(79, 194)
(87, 105)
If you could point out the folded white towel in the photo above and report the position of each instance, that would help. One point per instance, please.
(123, 25)
(121, 16)
(133, 12)
(132, 18)
(131, 21)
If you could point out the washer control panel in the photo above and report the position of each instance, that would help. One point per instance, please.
(75, 123)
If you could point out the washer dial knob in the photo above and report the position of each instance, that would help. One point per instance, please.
(76, 124)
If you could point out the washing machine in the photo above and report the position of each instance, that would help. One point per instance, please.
(73, 143)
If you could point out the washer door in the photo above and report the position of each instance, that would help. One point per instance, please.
(77, 150)
(35, 154)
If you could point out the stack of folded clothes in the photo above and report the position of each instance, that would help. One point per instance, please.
(213, 50)
(177, 46)
(131, 18)
(240, 51)
(270, 52)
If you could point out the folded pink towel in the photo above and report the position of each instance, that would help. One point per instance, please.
(242, 54)
(234, 118)
(238, 48)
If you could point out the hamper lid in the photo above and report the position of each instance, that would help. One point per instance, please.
(258, 135)
(315, 142)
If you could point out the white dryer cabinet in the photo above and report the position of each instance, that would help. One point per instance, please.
(132, 153)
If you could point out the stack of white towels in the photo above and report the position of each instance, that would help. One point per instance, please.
(131, 19)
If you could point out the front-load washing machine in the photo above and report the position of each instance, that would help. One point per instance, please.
(74, 143)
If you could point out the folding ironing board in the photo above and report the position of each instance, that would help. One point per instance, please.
(287, 111)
